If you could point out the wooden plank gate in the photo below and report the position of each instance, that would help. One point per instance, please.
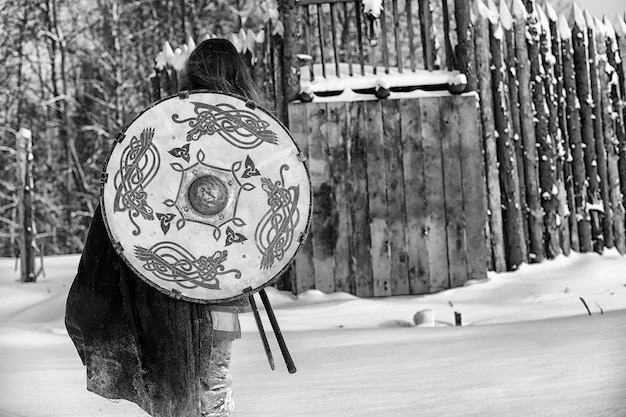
(399, 195)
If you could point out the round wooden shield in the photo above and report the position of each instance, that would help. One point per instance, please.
(206, 196)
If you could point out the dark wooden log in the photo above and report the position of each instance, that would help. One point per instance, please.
(533, 198)
(620, 66)
(514, 113)
(307, 38)
(396, 206)
(411, 34)
(483, 72)
(426, 31)
(349, 56)
(377, 193)
(321, 37)
(515, 246)
(558, 128)
(280, 75)
(359, 31)
(575, 139)
(384, 46)
(465, 61)
(333, 33)
(605, 215)
(620, 31)
(581, 66)
(359, 207)
(260, 72)
(337, 131)
(289, 65)
(545, 151)
(611, 123)
(396, 35)
(446, 35)
(155, 85)
(25, 185)
(560, 233)
(414, 186)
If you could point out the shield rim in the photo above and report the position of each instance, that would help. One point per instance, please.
(179, 296)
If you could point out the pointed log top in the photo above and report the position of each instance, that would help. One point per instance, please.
(168, 52)
(589, 20)
(599, 27)
(519, 10)
(498, 33)
(159, 61)
(191, 43)
(608, 26)
(620, 26)
(482, 9)
(493, 12)
(564, 30)
(505, 16)
(551, 13)
(578, 19)
(543, 21)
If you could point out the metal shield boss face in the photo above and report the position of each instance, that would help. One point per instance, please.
(206, 197)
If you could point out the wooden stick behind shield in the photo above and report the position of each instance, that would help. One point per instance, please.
(291, 367)
(259, 325)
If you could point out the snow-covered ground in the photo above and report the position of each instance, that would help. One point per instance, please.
(527, 348)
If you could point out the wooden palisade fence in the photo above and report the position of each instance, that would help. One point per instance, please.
(551, 98)
(550, 173)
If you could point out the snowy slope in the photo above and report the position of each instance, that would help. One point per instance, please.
(528, 348)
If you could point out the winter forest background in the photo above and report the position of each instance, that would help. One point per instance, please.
(74, 72)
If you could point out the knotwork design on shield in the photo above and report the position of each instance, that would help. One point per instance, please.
(275, 231)
(239, 127)
(171, 262)
(208, 204)
(208, 194)
(138, 166)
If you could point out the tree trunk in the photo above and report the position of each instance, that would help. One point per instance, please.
(24, 147)
(465, 44)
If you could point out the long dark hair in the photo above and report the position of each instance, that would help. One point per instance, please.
(216, 65)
